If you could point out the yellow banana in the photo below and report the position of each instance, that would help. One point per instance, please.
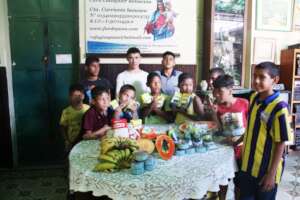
(116, 154)
(127, 153)
(123, 154)
(107, 158)
(106, 145)
(104, 166)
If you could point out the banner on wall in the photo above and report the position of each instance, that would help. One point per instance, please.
(112, 26)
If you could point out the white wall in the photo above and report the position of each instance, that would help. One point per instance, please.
(283, 39)
(5, 58)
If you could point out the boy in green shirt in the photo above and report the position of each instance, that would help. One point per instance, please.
(71, 117)
(155, 105)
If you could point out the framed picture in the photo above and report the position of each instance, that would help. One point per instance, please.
(264, 50)
(274, 15)
(225, 36)
(297, 15)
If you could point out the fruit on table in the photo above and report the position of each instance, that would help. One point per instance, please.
(207, 138)
(108, 144)
(146, 145)
(183, 127)
(116, 153)
(165, 146)
(148, 133)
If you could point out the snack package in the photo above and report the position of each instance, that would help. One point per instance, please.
(146, 98)
(120, 128)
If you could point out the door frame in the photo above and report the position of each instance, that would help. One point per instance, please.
(6, 62)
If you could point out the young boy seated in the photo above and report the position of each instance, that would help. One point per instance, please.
(97, 119)
(186, 104)
(92, 68)
(155, 105)
(125, 106)
(71, 116)
(264, 140)
(232, 117)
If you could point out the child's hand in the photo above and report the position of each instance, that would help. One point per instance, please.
(268, 182)
(92, 87)
(153, 105)
(106, 127)
(121, 107)
(133, 106)
(229, 141)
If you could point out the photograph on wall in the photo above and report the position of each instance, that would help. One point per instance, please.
(264, 50)
(229, 37)
(151, 25)
(274, 15)
(297, 15)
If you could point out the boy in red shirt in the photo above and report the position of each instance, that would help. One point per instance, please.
(232, 115)
(96, 121)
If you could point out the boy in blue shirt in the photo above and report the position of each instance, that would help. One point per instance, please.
(264, 140)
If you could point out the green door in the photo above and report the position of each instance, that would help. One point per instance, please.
(39, 31)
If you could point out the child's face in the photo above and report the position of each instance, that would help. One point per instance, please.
(160, 6)
(168, 61)
(187, 86)
(211, 79)
(262, 81)
(93, 69)
(76, 97)
(155, 85)
(222, 94)
(101, 102)
(134, 60)
(127, 96)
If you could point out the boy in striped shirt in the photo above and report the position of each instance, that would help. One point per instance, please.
(268, 129)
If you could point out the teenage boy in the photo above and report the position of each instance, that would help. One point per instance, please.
(168, 75)
(133, 75)
(92, 68)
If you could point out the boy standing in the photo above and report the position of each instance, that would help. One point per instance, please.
(268, 129)
(71, 117)
(232, 115)
(133, 75)
(168, 75)
(97, 119)
(92, 68)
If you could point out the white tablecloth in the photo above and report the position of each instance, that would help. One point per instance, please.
(189, 176)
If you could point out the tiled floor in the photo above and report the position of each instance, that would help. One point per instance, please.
(52, 183)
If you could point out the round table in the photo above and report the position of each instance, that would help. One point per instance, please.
(189, 176)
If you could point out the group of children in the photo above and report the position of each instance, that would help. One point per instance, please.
(257, 129)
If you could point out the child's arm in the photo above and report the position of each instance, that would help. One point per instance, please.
(198, 106)
(146, 110)
(198, 109)
(166, 115)
(90, 135)
(268, 181)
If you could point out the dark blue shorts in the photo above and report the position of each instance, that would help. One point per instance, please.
(251, 190)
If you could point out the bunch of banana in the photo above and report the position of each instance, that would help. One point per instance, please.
(120, 143)
(116, 153)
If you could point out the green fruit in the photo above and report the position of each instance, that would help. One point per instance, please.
(107, 158)
(104, 166)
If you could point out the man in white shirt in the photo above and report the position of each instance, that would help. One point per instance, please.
(133, 75)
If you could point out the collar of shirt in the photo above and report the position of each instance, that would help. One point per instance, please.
(172, 74)
(269, 99)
